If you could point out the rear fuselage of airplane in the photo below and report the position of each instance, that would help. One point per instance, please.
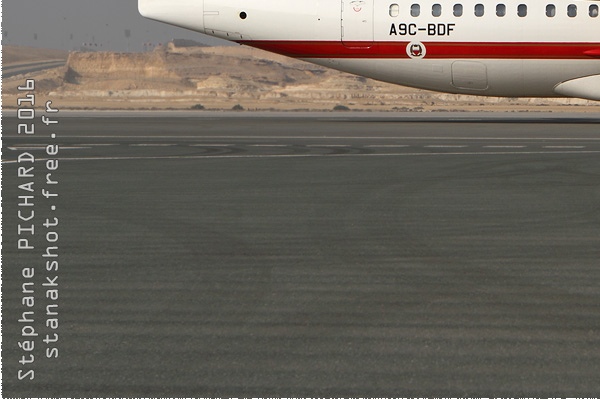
(506, 48)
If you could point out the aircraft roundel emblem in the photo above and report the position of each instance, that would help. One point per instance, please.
(416, 50)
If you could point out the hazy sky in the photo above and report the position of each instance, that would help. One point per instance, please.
(67, 24)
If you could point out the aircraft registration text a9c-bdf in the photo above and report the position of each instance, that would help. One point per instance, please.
(548, 48)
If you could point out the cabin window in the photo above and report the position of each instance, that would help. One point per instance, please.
(479, 10)
(415, 10)
(572, 10)
(501, 10)
(522, 10)
(436, 10)
(593, 11)
(550, 10)
(394, 10)
(458, 10)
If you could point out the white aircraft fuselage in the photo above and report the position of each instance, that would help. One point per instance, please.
(507, 48)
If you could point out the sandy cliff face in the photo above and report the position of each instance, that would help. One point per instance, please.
(108, 72)
(107, 66)
(222, 77)
(211, 75)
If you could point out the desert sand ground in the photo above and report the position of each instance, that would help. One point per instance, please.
(236, 77)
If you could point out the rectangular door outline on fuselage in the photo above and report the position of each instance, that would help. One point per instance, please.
(357, 27)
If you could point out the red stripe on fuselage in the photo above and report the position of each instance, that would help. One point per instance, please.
(437, 50)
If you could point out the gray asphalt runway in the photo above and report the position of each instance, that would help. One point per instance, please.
(25, 68)
(327, 255)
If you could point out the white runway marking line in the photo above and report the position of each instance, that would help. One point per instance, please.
(327, 145)
(32, 148)
(268, 145)
(208, 157)
(385, 146)
(564, 147)
(437, 138)
(152, 144)
(98, 144)
(445, 146)
(210, 145)
(504, 147)
(27, 148)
